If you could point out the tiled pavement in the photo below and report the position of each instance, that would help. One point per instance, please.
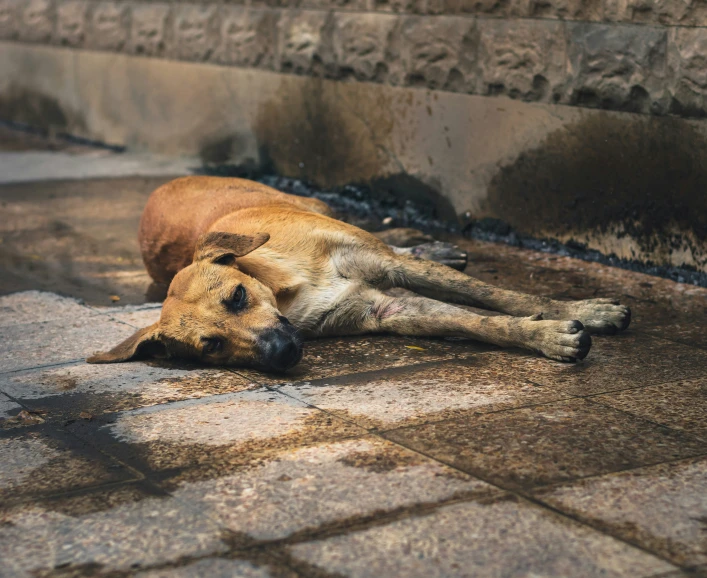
(377, 456)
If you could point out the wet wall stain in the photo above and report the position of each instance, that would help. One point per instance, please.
(313, 131)
(38, 110)
(641, 177)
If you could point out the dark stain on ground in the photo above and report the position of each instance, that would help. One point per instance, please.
(637, 177)
(383, 460)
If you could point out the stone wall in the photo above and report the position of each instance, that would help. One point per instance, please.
(642, 56)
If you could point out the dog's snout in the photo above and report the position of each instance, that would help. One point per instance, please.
(280, 350)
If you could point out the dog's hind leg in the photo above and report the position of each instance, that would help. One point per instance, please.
(375, 312)
(434, 280)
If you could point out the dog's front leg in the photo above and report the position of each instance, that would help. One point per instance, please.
(375, 312)
(439, 282)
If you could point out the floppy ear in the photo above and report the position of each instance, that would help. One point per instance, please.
(223, 248)
(145, 343)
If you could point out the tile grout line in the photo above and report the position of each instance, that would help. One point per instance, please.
(687, 434)
(527, 497)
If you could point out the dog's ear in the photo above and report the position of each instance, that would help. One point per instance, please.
(223, 248)
(142, 345)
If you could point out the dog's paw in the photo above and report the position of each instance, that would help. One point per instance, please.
(445, 253)
(601, 316)
(565, 341)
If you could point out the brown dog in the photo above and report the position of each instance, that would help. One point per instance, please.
(251, 269)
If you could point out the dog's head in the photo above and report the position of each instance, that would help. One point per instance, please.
(216, 314)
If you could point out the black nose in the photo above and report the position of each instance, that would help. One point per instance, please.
(280, 349)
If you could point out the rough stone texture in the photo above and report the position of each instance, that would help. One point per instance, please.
(71, 21)
(501, 538)
(109, 27)
(196, 32)
(37, 20)
(618, 67)
(666, 12)
(248, 37)
(688, 76)
(564, 9)
(10, 19)
(305, 42)
(523, 59)
(662, 508)
(437, 54)
(150, 33)
(361, 44)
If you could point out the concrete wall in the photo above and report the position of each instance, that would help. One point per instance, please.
(575, 119)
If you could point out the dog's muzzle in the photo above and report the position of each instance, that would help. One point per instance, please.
(280, 348)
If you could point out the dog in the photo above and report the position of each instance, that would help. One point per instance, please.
(252, 271)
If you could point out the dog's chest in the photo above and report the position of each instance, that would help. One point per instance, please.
(314, 301)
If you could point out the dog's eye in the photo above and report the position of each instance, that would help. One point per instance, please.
(211, 345)
(238, 299)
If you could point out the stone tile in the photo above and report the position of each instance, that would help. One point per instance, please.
(37, 23)
(522, 58)
(137, 316)
(66, 391)
(548, 443)
(204, 438)
(326, 358)
(123, 530)
(60, 341)
(71, 21)
(425, 392)
(681, 405)
(196, 31)
(39, 306)
(109, 27)
(437, 53)
(248, 37)
(43, 461)
(617, 66)
(217, 568)
(361, 42)
(326, 486)
(149, 29)
(486, 538)
(258, 415)
(661, 508)
(615, 362)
